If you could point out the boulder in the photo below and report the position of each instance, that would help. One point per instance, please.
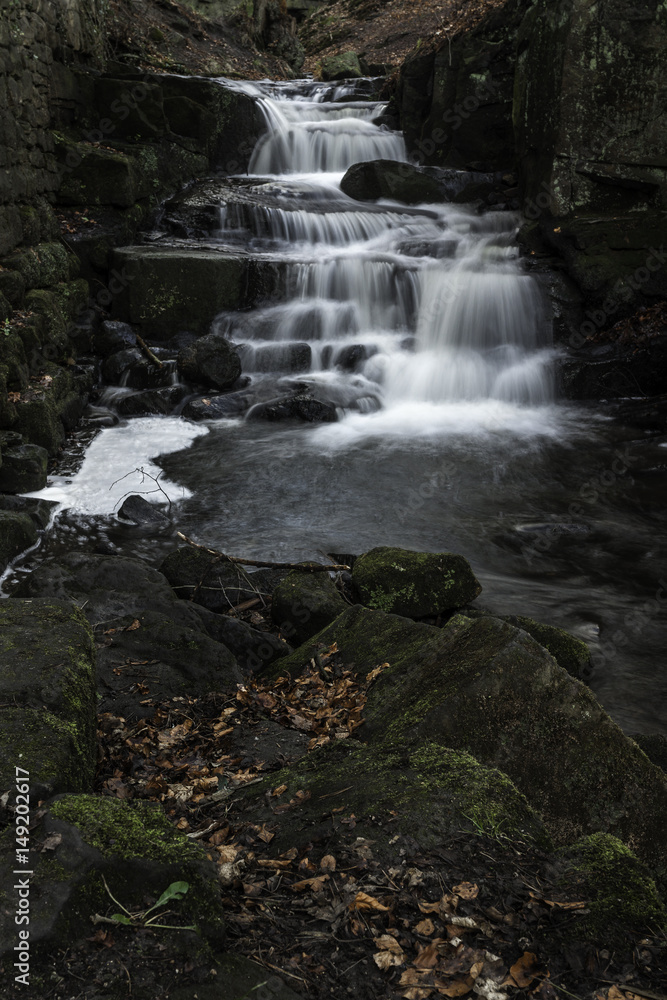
(619, 890)
(216, 407)
(131, 846)
(23, 468)
(140, 511)
(300, 406)
(210, 361)
(414, 584)
(113, 336)
(107, 588)
(17, 533)
(253, 650)
(129, 367)
(40, 511)
(413, 184)
(344, 66)
(48, 688)
(150, 655)
(214, 582)
(489, 689)
(425, 793)
(151, 402)
(304, 603)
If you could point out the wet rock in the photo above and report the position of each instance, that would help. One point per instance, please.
(152, 402)
(129, 367)
(341, 67)
(215, 583)
(216, 407)
(304, 603)
(131, 846)
(48, 686)
(17, 533)
(414, 584)
(169, 659)
(107, 587)
(301, 406)
(294, 357)
(113, 336)
(210, 361)
(140, 511)
(254, 650)
(23, 468)
(412, 184)
(40, 511)
(654, 746)
(352, 356)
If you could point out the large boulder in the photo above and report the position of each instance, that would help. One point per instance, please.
(301, 406)
(489, 689)
(210, 361)
(212, 581)
(425, 792)
(23, 468)
(414, 584)
(17, 533)
(344, 66)
(304, 603)
(135, 850)
(48, 689)
(413, 184)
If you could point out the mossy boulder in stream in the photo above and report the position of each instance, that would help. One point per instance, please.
(414, 584)
(48, 685)
(136, 850)
(210, 361)
(344, 66)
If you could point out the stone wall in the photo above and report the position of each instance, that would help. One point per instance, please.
(37, 39)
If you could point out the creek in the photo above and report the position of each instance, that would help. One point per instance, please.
(425, 329)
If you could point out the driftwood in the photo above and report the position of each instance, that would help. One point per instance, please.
(147, 351)
(260, 562)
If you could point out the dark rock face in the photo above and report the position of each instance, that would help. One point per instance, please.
(301, 406)
(49, 680)
(254, 650)
(304, 603)
(212, 582)
(210, 361)
(17, 533)
(414, 184)
(455, 103)
(23, 468)
(140, 511)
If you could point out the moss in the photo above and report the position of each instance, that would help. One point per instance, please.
(623, 897)
(53, 749)
(122, 830)
(415, 584)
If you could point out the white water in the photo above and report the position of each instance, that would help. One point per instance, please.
(398, 305)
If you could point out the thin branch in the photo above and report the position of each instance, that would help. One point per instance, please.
(261, 562)
(147, 351)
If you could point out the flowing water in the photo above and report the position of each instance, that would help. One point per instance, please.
(424, 329)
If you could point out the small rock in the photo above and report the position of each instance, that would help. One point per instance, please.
(140, 511)
(211, 360)
(301, 406)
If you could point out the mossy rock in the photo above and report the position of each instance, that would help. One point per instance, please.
(304, 603)
(136, 850)
(211, 361)
(17, 531)
(208, 580)
(23, 470)
(622, 898)
(426, 792)
(38, 421)
(341, 67)
(488, 688)
(49, 678)
(414, 584)
(569, 652)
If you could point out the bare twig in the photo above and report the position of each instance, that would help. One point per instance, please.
(145, 475)
(262, 562)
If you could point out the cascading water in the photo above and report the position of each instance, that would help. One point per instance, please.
(421, 326)
(425, 305)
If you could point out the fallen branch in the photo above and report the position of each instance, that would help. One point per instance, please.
(147, 351)
(314, 568)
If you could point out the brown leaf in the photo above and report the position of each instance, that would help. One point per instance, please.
(328, 863)
(387, 942)
(425, 927)
(524, 970)
(467, 890)
(315, 884)
(455, 987)
(386, 959)
(279, 791)
(52, 841)
(134, 626)
(428, 956)
(362, 901)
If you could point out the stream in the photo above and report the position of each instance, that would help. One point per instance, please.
(424, 328)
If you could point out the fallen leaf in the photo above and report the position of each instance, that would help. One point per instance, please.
(428, 956)
(328, 863)
(315, 884)
(425, 927)
(467, 890)
(52, 841)
(362, 901)
(455, 988)
(386, 959)
(278, 791)
(524, 970)
(387, 942)
(134, 626)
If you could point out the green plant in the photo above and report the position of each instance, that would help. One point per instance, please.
(141, 918)
(6, 328)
